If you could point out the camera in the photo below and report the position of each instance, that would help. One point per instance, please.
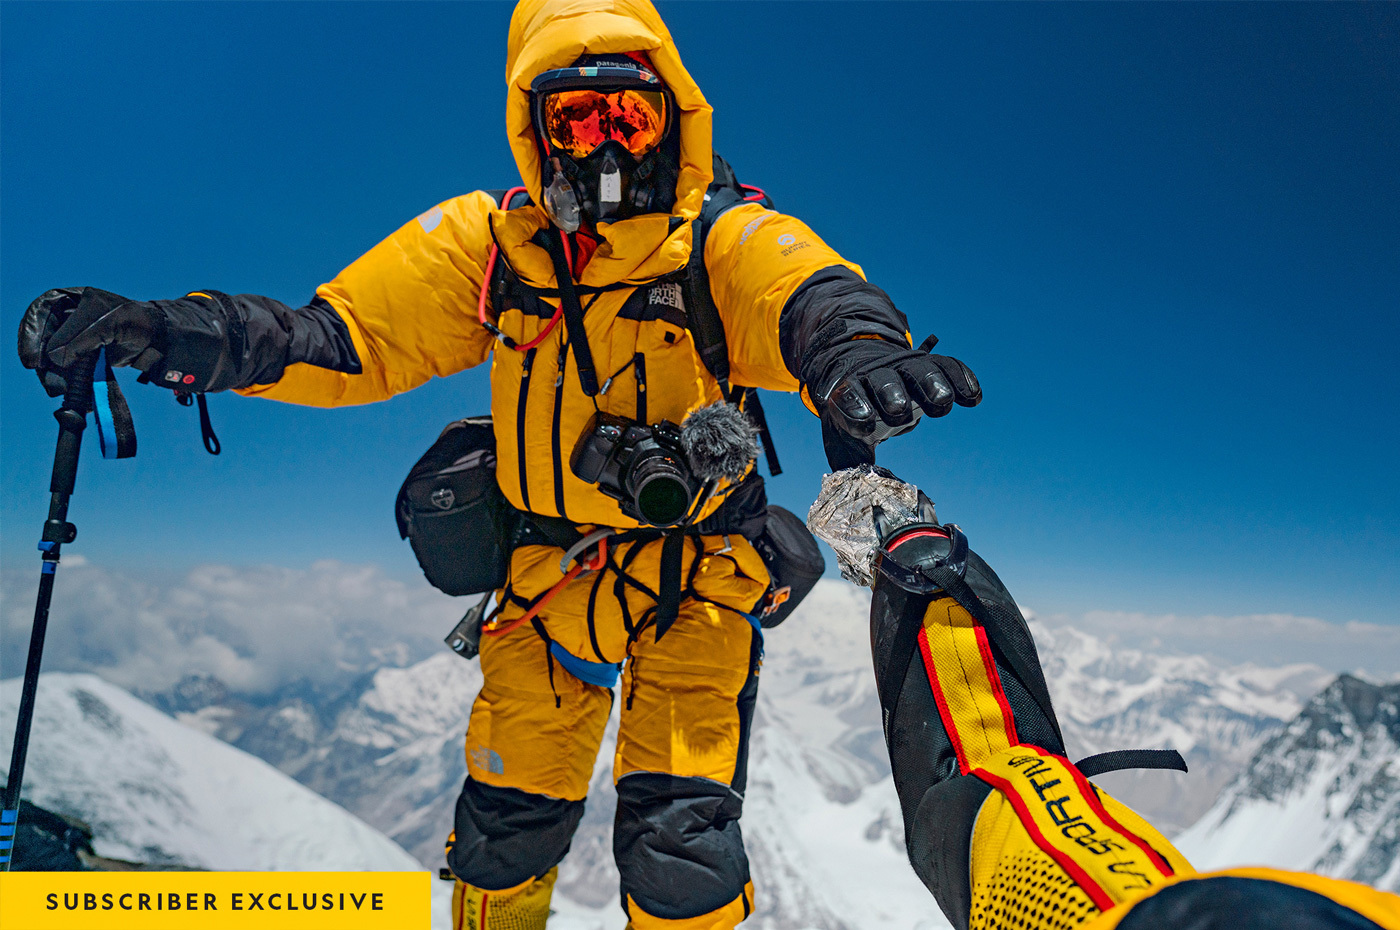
(645, 468)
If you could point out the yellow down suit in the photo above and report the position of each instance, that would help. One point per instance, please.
(410, 306)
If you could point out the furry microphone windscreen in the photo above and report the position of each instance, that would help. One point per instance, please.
(720, 440)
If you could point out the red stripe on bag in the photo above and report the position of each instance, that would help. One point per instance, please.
(944, 714)
(1093, 889)
(1008, 721)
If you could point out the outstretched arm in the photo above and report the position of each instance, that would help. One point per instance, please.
(799, 316)
(401, 314)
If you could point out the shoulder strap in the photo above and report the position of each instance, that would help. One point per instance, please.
(702, 316)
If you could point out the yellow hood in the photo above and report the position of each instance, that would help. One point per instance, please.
(547, 34)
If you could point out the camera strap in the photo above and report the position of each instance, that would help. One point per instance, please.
(573, 315)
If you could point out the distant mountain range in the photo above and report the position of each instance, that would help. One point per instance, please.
(821, 821)
(1322, 794)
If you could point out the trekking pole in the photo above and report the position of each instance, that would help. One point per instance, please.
(72, 419)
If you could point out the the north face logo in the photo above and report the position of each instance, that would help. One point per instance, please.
(667, 294)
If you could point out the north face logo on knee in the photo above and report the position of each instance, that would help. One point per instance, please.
(668, 295)
(488, 759)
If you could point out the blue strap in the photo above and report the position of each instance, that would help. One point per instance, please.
(115, 432)
(102, 408)
(602, 674)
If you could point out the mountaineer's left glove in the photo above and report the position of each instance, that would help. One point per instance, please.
(847, 344)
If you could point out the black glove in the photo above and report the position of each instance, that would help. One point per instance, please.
(872, 389)
(67, 323)
(846, 342)
(209, 341)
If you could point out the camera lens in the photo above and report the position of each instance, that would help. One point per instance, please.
(660, 489)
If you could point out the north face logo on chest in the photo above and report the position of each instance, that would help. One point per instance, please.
(667, 294)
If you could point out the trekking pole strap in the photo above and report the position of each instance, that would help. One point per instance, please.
(116, 433)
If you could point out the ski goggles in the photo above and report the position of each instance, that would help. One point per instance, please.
(578, 121)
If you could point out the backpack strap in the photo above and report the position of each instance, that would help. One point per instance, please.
(702, 316)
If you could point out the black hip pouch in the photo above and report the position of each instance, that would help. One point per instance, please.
(795, 563)
(453, 514)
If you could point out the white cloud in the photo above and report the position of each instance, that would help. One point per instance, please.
(255, 628)
(1263, 639)
(262, 627)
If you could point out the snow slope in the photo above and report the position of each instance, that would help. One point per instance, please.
(156, 791)
(1323, 793)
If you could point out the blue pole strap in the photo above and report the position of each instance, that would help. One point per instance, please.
(102, 406)
(115, 432)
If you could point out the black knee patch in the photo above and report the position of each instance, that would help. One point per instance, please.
(678, 845)
(939, 841)
(505, 836)
(1230, 902)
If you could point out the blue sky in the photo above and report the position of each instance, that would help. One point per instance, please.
(1167, 238)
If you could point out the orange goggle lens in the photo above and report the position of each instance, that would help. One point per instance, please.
(578, 121)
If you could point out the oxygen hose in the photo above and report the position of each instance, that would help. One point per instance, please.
(486, 287)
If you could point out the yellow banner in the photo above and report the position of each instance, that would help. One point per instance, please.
(214, 900)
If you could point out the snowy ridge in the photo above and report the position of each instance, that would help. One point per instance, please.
(1216, 716)
(156, 791)
(1323, 794)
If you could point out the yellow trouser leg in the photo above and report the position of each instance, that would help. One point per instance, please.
(522, 908)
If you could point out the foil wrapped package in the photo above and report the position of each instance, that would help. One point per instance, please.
(843, 515)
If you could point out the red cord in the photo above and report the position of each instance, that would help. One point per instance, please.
(553, 322)
(574, 571)
(750, 196)
(486, 284)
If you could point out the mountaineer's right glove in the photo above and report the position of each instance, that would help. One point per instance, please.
(206, 341)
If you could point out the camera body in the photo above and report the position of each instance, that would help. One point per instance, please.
(645, 468)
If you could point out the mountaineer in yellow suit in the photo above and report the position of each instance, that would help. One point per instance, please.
(1004, 830)
(570, 288)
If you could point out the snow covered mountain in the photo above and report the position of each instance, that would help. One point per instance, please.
(155, 791)
(1323, 793)
(1215, 715)
(821, 819)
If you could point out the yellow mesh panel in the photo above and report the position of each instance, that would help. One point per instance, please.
(523, 909)
(1029, 891)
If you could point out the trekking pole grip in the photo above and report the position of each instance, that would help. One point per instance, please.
(78, 396)
(72, 419)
